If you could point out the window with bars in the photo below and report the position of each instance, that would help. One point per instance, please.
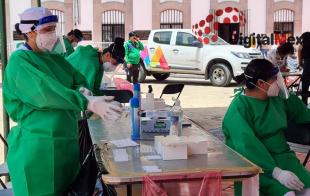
(171, 19)
(283, 21)
(61, 21)
(113, 25)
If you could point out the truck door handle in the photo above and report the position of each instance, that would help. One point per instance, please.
(175, 50)
(152, 48)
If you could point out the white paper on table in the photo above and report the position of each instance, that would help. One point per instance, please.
(146, 148)
(153, 157)
(124, 143)
(120, 155)
(151, 168)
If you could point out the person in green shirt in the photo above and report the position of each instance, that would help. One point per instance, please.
(41, 93)
(92, 64)
(71, 40)
(132, 57)
(253, 126)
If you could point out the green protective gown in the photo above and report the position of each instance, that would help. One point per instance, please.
(68, 46)
(40, 95)
(85, 59)
(254, 128)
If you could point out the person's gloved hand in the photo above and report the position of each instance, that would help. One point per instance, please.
(85, 91)
(291, 193)
(288, 179)
(105, 107)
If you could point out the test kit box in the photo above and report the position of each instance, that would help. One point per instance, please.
(196, 145)
(170, 147)
(175, 147)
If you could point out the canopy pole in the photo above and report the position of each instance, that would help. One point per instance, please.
(4, 60)
(39, 3)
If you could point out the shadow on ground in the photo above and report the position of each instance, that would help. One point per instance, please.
(209, 118)
(187, 81)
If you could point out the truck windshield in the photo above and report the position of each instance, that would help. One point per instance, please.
(219, 40)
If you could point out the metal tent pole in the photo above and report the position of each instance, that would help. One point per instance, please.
(4, 60)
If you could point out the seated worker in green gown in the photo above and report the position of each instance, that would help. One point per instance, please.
(92, 64)
(253, 126)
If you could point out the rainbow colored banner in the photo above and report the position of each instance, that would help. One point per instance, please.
(157, 59)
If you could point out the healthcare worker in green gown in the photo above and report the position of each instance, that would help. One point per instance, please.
(253, 126)
(92, 64)
(41, 94)
(71, 41)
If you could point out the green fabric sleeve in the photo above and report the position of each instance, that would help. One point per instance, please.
(296, 110)
(98, 79)
(245, 142)
(126, 51)
(140, 45)
(39, 91)
(69, 47)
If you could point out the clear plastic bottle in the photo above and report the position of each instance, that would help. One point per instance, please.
(176, 117)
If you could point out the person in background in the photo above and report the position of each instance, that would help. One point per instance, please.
(278, 57)
(42, 94)
(71, 41)
(132, 57)
(92, 64)
(304, 62)
(254, 126)
(118, 50)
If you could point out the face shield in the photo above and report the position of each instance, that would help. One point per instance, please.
(277, 88)
(281, 84)
(47, 38)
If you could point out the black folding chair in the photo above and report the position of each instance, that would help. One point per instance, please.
(298, 137)
(122, 96)
(4, 172)
(173, 89)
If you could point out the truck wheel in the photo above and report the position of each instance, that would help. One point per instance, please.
(142, 74)
(220, 75)
(161, 76)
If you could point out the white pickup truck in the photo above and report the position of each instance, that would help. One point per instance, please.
(178, 51)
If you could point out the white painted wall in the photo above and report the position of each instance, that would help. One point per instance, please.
(142, 14)
(86, 15)
(17, 7)
(257, 16)
(199, 10)
(305, 16)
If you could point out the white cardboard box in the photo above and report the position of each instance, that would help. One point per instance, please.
(170, 147)
(173, 151)
(174, 147)
(196, 145)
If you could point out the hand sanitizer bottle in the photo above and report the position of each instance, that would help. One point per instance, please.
(176, 116)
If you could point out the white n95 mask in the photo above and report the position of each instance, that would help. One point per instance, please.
(108, 67)
(74, 44)
(46, 41)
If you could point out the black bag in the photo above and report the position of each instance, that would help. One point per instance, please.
(298, 133)
(89, 174)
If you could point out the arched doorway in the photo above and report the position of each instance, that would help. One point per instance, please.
(113, 25)
(283, 22)
(229, 23)
(171, 19)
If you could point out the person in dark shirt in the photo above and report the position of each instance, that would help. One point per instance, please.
(304, 62)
